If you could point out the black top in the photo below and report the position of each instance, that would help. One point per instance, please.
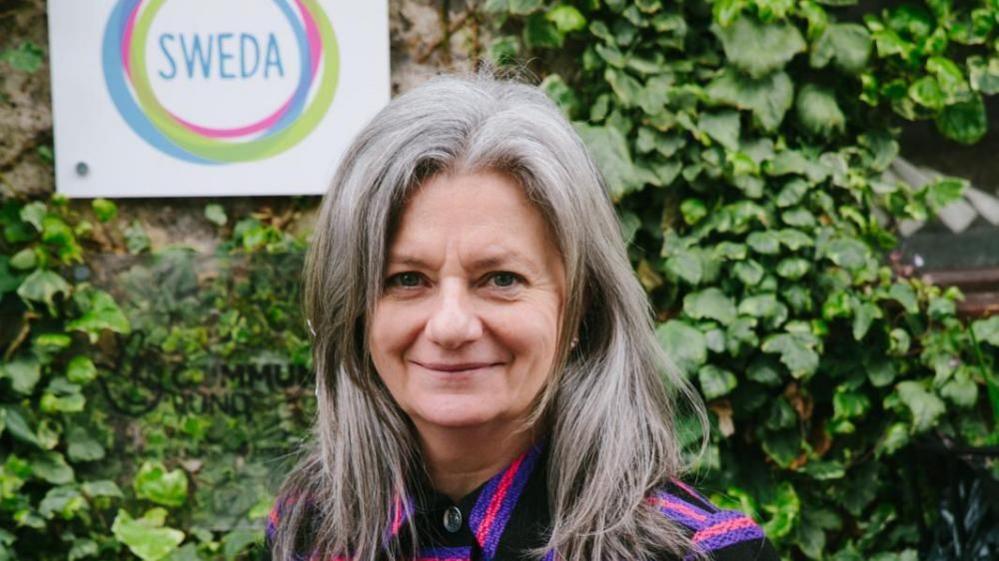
(509, 515)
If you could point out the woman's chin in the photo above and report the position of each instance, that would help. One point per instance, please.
(455, 414)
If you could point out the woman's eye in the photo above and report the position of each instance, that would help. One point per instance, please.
(504, 279)
(405, 280)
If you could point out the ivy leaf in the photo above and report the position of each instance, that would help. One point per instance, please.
(793, 268)
(626, 88)
(104, 209)
(154, 482)
(964, 122)
(862, 318)
(52, 467)
(942, 192)
(818, 111)
(43, 286)
(64, 500)
(848, 253)
(216, 214)
(758, 49)
(610, 151)
(723, 127)
(715, 382)
(146, 537)
(566, 18)
(101, 488)
(904, 295)
(18, 427)
(23, 374)
(765, 242)
(710, 303)
(80, 370)
(986, 330)
(686, 265)
(984, 75)
(925, 407)
(539, 32)
(686, 346)
(796, 352)
(82, 447)
(847, 45)
(26, 57)
(768, 97)
(100, 313)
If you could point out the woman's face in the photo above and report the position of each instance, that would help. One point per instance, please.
(464, 334)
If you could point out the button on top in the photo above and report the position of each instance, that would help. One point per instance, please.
(452, 519)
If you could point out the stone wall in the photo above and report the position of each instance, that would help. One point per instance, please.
(427, 37)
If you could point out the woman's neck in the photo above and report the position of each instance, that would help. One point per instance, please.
(459, 460)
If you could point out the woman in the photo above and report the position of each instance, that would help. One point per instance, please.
(489, 384)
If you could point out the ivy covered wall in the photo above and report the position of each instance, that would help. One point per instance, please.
(155, 368)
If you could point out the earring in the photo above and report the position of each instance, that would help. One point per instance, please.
(575, 341)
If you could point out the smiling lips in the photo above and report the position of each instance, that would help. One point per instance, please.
(456, 367)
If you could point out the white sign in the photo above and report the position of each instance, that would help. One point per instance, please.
(164, 98)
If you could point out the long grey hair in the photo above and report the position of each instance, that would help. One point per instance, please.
(610, 405)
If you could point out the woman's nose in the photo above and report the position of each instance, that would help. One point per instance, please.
(453, 321)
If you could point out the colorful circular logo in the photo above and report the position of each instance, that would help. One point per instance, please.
(127, 77)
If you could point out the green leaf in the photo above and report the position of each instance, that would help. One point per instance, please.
(925, 407)
(81, 370)
(24, 259)
(23, 374)
(715, 382)
(611, 154)
(723, 127)
(880, 370)
(784, 509)
(43, 286)
(26, 57)
(768, 97)
(540, 33)
(961, 390)
(904, 295)
(684, 345)
(18, 427)
(765, 242)
(849, 404)
(927, 92)
(104, 209)
(236, 541)
(154, 482)
(566, 18)
(986, 330)
(759, 305)
(758, 49)
(102, 488)
(749, 272)
(82, 447)
(504, 50)
(793, 268)
(693, 210)
(944, 191)
(52, 467)
(626, 88)
(65, 501)
(685, 265)
(146, 537)
(82, 548)
(710, 303)
(100, 313)
(216, 214)
(796, 352)
(847, 45)
(984, 75)
(848, 253)
(964, 122)
(818, 111)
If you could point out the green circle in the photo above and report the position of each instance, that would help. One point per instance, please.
(225, 151)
